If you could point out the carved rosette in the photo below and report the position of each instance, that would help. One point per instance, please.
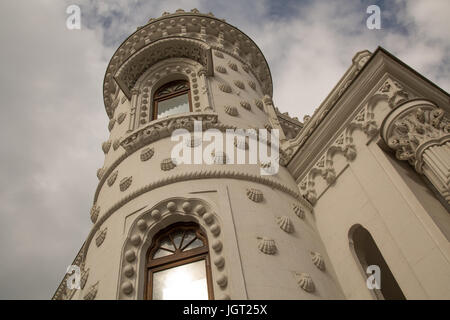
(419, 132)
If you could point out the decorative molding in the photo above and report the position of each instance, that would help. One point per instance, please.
(232, 111)
(112, 178)
(125, 183)
(413, 127)
(252, 85)
(318, 260)
(254, 194)
(101, 237)
(285, 224)
(305, 282)
(148, 223)
(267, 245)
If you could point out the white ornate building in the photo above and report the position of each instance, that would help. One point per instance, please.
(364, 181)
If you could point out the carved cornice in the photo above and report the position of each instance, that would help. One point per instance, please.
(212, 32)
(413, 127)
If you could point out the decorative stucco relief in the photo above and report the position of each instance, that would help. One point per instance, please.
(168, 164)
(125, 183)
(318, 260)
(121, 117)
(92, 292)
(95, 210)
(285, 224)
(111, 124)
(147, 153)
(246, 105)
(100, 237)
(255, 195)
(305, 281)
(116, 144)
(232, 111)
(267, 245)
(106, 146)
(112, 178)
(150, 222)
(364, 121)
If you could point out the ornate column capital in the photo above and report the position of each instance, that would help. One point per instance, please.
(413, 127)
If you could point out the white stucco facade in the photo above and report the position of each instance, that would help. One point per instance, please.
(338, 170)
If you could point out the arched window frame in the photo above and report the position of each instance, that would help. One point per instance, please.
(177, 259)
(157, 99)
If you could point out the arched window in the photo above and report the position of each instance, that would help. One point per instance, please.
(178, 266)
(172, 98)
(367, 253)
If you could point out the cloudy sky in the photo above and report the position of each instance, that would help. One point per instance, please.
(53, 119)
